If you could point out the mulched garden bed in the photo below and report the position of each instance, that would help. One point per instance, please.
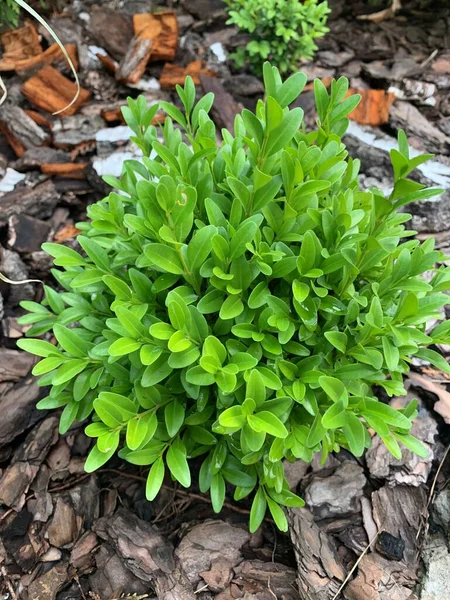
(378, 525)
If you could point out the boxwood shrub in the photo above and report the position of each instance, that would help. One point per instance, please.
(237, 302)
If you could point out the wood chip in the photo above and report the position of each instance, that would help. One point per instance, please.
(20, 44)
(37, 202)
(52, 56)
(73, 170)
(374, 107)
(18, 410)
(320, 571)
(65, 526)
(109, 63)
(225, 108)
(15, 364)
(51, 91)
(39, 119)
(162, 28)
(174, 74)
(20, 130)
(26, 234)
(132, 66)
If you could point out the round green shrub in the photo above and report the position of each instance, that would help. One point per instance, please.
(281, 31)
(238, 302)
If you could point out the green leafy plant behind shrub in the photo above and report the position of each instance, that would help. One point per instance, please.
(282, 31)
(238, 302)
(9, 13)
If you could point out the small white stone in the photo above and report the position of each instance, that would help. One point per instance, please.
(10, 180)
(218, 50)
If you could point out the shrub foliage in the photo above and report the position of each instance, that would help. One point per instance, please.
(282, 31)
(239, 302)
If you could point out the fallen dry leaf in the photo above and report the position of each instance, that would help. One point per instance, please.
(66, 233)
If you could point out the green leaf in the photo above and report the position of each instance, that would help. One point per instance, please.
(38, 347)
(155, 479)
(231, 308)
(137, 430)
(97, 459)
(164, 258)
(334, 389)
(337, 339)
(335, 416)
(177, 463)
(123, 346)
(267, 422)
(258, 510)
(200, 246)
(278, 515)
(281, 136)
(217, 492)
(412, 444)
(71, 342)
(174, 417)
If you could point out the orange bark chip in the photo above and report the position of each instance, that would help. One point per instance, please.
(173, 74)
(374, 107)
(162, 29)
(51, 91)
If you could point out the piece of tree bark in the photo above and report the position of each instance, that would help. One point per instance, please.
(132, 66)
(374, 107)
(174, 74)
(26, 234)
(146, 553)
(320, 571)
(21, 43)
(51, 91)
(109, 63)
(20, 130)
(15, 364)
(225, 108)
(39, 119)
(52, 56)
(160, 27)
(19, 475)
(17, 407)
(37, 202)
(399, 510)
(111, 29)
(74, 170)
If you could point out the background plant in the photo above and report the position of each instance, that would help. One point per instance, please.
(9, 13)
(282, 31)
(239, 302)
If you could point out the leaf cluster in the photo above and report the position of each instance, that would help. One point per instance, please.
(238, 302)
(281, 31)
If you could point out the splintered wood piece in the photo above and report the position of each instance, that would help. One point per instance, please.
(51, 91)
(320, 571)
(52, 56)
(73, 170)
(173, 74)
(39, 119)
(109, 63)
(20, 130)
(132, 66)
(374, 107)
(225, 107)
(112, 115)
(21, 43)
(162, 28)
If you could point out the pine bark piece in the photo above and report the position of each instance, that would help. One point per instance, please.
(133, 64)
(225, 107)
(108, 62)
(19, 475)
(173, 75)
(39, 119)
(374, 108)
(26, 234)
(74, 170)
(20, 44)
(18, 410)
(146, 553)
(15, 364)
(37, 202)
(399, 511)
(51, 91)
(52, 56)
(320, 571)
(162, 28)
(20, 130)
(111, 30)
